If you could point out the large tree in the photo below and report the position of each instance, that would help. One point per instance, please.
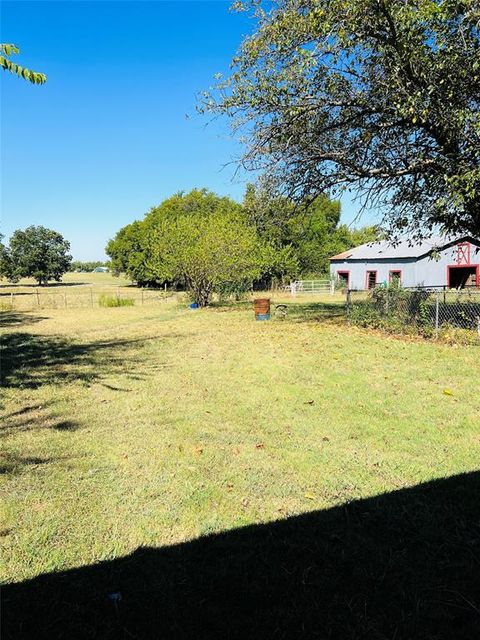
(5, 261)
(307, 235)
(128, 251)
(380, 96)
(131, 248)
(6, 52)
(199, 240)
(38, 253)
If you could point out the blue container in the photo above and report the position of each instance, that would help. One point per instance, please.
(194, 305)
(262, 316)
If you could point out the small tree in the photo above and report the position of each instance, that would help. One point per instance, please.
(38, 253)
(207, 252)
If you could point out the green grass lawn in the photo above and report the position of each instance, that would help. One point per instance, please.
(167, 430)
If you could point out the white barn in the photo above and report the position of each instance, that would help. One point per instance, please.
(434, 262)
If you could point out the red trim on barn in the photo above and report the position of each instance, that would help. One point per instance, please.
(395, 271)
(462, 266)
(463, 253)
(367, 279)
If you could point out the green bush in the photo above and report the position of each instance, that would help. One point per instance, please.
(233, 290)
(402, 312)
(454, 335)
(115, 301)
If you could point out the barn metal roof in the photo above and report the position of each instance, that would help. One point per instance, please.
(385, 249)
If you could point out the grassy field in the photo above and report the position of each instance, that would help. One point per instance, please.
(169, 473)
(69, 279)
(75, 290)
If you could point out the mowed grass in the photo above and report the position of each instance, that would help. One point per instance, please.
(147, 427)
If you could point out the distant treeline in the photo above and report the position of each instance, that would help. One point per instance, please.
(78, 265)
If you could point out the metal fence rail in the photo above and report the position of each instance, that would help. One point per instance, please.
(78, 298)
(424, 308)
(310, 286)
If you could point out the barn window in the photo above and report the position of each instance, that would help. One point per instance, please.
(371, 280)
(343, 278)
(395, 276)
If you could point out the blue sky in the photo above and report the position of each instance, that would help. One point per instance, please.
(114, 131)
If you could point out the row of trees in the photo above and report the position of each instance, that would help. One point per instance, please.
(37, 252)
(89, 265)
(210, 243)
(203, 242)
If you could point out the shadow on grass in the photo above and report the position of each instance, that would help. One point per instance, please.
(29, 361)
(16, 318)
(41, 287)
(400, 566)
(17, 424)
(35, 417)
(315, 311)
(13, 464)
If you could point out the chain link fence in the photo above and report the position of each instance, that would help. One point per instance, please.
(430, 311)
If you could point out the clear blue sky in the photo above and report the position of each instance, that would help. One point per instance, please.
(114, 131)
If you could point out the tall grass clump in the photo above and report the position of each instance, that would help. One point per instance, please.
(115, 301)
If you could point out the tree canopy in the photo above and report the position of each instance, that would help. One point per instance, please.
(6, 52)
(211, 243)
(37, 253)
(304, 237)
(199, 239)
(380, 96)
(213, 252)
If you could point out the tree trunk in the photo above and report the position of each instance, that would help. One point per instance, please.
(202, 292)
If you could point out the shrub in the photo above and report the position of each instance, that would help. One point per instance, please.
(455, 335)
(115, 301)
(233, 290)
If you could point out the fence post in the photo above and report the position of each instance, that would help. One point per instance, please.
(38, 297)
(142, 295)
(12, 298)
(348, 301)
(332, 287)
(437, 309)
